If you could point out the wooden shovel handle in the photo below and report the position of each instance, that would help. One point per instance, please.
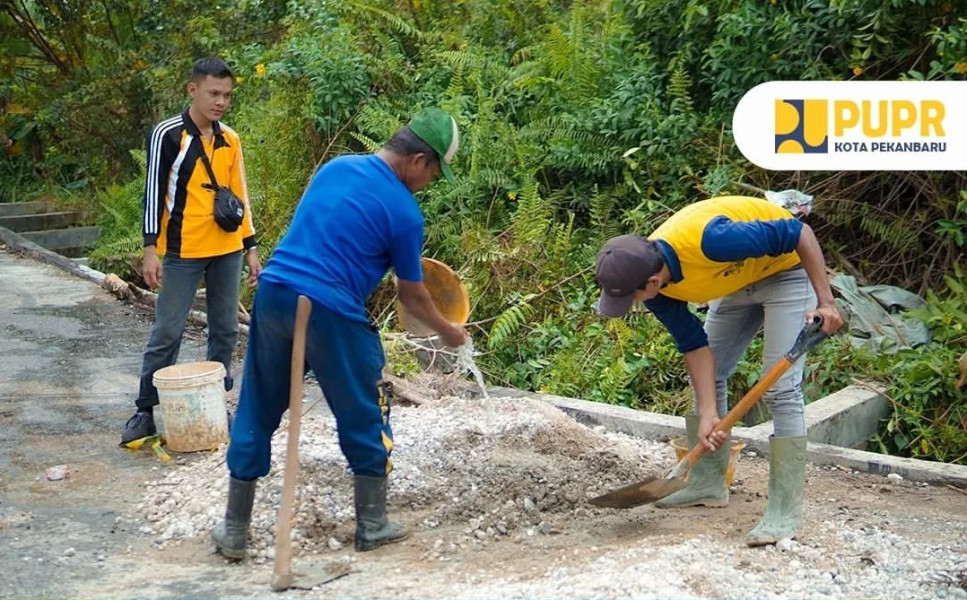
(811, 335)
(743, 406)
(282, 567)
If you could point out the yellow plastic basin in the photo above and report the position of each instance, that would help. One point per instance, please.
(448, 294)
(681, 450)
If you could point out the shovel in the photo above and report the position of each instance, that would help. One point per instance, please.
(283, 577)
(651, 489)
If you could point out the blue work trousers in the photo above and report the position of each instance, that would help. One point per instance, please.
(347, 358)
(179, 282)
(778, 304)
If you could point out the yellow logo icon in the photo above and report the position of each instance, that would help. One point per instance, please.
(801, 127)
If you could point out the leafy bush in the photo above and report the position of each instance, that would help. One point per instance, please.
(929, 415)
(929, 412)
(119, 214)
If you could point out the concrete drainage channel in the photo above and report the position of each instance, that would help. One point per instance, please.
(837, 426)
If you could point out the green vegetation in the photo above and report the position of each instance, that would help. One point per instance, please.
(579, 120)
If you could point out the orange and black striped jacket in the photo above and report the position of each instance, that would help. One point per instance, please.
(178, 205)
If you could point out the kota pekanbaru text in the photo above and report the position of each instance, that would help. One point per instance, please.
(890, 146)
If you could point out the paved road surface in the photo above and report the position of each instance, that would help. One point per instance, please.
(69, 357)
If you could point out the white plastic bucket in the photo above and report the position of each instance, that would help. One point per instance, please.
(192, 398)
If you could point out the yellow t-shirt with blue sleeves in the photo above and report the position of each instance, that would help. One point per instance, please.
(714, 248)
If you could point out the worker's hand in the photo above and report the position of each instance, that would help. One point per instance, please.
(254, 267)
(832, 320)
(711, 441)
(151, 267)
(454, 335)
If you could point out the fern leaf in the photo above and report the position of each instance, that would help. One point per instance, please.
(371, 145)
(602, 209)
(679, 88)
(615, 382)
(458, 58)
(509, 322)
(395, 21)
(533, 216)
(455, 88)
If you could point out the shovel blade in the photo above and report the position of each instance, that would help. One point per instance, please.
(310, 576)
(641, 492)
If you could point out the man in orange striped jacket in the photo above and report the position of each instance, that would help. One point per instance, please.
(179, 225)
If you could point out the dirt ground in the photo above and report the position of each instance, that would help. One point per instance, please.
(494, 490)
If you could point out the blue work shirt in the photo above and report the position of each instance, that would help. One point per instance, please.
(355, 221)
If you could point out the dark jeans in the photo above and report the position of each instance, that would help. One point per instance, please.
(346, 356)
(179, 281)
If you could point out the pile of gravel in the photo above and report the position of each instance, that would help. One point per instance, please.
(494, 467)
(472, 473)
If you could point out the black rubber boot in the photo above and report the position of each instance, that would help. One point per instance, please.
(231, 534)
(373, 528)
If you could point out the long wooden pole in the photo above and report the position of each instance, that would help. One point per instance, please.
(282, 577)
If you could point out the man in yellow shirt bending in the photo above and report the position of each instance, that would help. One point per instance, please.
(758, 267)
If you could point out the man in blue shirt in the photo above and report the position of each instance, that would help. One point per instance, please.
(356, 220)
(758, 267)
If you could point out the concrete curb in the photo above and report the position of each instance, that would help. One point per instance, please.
(821, 416)
(21, 244)
(882, 464)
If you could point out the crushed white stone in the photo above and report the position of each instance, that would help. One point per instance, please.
(513, 469)
(495, 467)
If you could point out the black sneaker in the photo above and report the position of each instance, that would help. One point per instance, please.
(139, 426)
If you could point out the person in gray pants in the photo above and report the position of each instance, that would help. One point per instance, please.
(758, 267)
(179, 224)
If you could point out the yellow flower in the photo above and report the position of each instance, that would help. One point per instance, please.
(857, 70)
(239, 79)
(961, 67)
(512, 195)
(260, 70)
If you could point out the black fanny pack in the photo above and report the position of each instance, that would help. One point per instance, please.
(229, 208)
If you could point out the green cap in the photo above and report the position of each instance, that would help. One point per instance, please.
(439, 130)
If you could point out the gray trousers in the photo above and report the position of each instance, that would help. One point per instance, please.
(777, 304)
(180, 278)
